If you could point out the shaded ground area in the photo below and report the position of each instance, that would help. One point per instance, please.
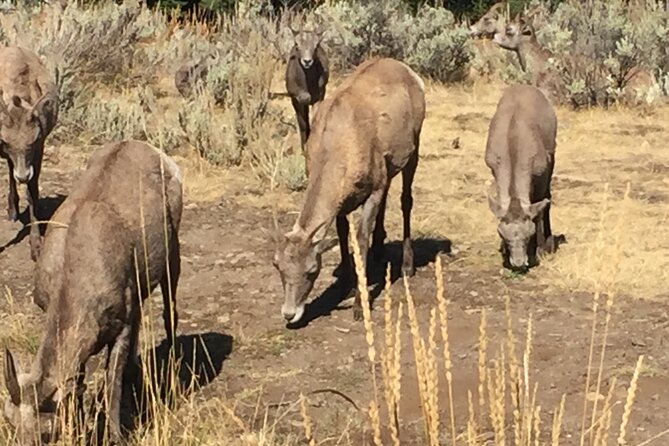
(230, 295)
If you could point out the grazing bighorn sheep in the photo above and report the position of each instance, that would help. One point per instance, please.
(520, 152)
(489, 23)
(363, 135)
(111, 242)
(28, 113)
(307, 74)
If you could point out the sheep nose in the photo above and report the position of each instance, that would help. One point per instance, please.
(306, 63)
(288, 316)
(23, 176)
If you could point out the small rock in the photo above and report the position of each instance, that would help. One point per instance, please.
(219, 262)
(190, 206)
(473, 294)
(455, 144)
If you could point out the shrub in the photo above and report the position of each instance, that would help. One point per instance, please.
(103, 119)
(597, 48)
(435, 45)
(209, 132)
(360, 30)
(81, 46)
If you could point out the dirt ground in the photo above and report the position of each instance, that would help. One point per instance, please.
(230, 295)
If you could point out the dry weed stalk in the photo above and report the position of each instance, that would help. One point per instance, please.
(442, 304)
(614, 267)
(537, 424)
(496, 399)
(472, 429)
(527, 410)
(421, 362)
(599, 245)
(390, 367)
(482, 362)
(604, 422)
(514, 376)
(306, 421)
(396, 366)
(631, 393)
(369, 335)
(432, 384)
(557, 422)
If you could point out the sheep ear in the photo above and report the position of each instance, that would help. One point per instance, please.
(11, 379)
(538, 207)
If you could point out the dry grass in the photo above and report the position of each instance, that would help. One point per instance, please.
(595, 147)
(508, 393)
(608, 254)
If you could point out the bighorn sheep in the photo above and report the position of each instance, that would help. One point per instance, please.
(490, 23)
(307, 74)
(189, 74)
(519, 36)
(520, 152)
(111, 242)
(28, 113)
(363, 135)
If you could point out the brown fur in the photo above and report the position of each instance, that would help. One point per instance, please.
(519, 36)
(28, 113)
(490, 23)
(363, 135)
(306, 86)
(520, 152)
(187, 76)
(87, 277)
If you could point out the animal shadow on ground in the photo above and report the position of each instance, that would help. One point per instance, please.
(199, 361)
(46, 207)
(425, 252)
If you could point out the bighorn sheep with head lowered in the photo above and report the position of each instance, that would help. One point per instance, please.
(307, 74)
(111, 242)
(28, 113)
(520, 152)
(363, 135)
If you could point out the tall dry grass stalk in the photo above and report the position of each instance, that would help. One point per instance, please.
(421, 363)
(390, 364)
(306, 421)
(369, 334)
(557, 422)
(482, 361)
(629, 402)
(443, 318)
(614, 264)
(472, 428)
(598, 259)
